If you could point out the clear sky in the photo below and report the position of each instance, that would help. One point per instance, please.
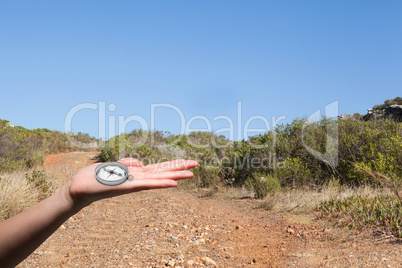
(277, 58)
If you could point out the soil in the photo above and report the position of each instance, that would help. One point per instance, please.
(174, 228)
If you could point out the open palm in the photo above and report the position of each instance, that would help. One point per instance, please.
(85, 189)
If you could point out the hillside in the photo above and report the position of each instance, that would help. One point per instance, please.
(22, 148)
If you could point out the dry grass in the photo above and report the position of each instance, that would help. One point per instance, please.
(62, 172)
(300, 201)
(17, 194)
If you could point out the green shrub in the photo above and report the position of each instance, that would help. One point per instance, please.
(7, 164)
(294, 169)
(22, 148)
(263, 184)
(379, 106)
(34, 160)
(392, 102)
(359, 212)
(39, 180)
(108, 154)
(207, 176)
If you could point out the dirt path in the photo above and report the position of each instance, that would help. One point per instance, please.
(172, 228)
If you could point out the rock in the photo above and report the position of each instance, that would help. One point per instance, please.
(238, 227)
(354, 245)
(171, 263)
(326, 230)
(291, 231)
(199, 241)
(209, 261)
(190, 262)
(391, 112)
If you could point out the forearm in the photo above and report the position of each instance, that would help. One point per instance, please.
(23, 233)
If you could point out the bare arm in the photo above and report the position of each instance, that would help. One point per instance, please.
(23, 233)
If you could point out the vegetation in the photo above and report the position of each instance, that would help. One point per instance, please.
(22, 189)
(360, 211)
(396, 101)
(279, 167)
(21, 148)
(284, 166)
(279, 155)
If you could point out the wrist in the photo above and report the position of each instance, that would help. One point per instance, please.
(70, 202)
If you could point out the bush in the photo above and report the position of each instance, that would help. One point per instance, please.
(21, 148)
(379, 107)
(263, 184)
(207, 176)
(34, 160)
(358, 212)
(39, 180)
(294, 169)
(396, 101)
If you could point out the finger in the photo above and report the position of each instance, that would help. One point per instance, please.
(175, 165)
(131, 162)
(169, 175)
(139, 185)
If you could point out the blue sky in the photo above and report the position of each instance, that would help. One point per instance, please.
(278, 58)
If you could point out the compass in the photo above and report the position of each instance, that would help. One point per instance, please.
(112, 173)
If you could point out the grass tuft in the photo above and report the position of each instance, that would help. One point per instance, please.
(382, 211)
(21, 189)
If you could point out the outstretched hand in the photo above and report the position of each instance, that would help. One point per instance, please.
(84, 188)
(23, 233)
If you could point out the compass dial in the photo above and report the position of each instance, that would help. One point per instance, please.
(111, 173)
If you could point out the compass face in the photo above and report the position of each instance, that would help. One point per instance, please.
(111, 173)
